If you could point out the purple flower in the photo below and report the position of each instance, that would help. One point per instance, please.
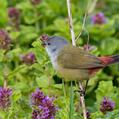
(98, 18)
(14, 16)
(37, 97)
(106, 105)
(35, 114)
(5, 40)
(48, 102)
(5, 94)
(28, 58)
(35, 2)
(41, 113)
(13, 13)
(44, 107)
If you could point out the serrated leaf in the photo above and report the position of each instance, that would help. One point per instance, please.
(16, 95)
(43, 81)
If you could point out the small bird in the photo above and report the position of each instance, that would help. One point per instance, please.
(74, 63)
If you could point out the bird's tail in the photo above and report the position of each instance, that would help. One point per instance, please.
(108, 60)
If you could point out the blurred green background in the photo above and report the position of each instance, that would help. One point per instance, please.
(50, 17)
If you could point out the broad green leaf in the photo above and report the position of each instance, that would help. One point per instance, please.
(44, 81)
(16, 95)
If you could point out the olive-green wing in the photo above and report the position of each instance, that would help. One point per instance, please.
(77, 58)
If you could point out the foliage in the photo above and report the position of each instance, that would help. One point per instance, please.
(50, 17)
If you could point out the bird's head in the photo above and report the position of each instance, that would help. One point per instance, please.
(53, 44)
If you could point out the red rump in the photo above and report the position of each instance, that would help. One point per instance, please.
(93, 70)
(106, 60)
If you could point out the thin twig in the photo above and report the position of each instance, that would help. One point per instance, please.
(82, 100)
(70, 22)
(83, 27)
(73, 43)
(90, 7)
(5, 83)
(84, 21)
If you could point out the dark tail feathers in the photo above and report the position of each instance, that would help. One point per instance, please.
(115, 59)
(108, 60)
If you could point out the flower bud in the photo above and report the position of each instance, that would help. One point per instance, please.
(37, 97)
(98, 18)
(44, 106)
(106, 105)
(5, 40)
(28, 58)
(44, 37)
(14, 16)
(5, 94)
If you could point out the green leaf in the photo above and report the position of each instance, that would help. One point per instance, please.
(43, 81)
(109, 46)
(71, 106)
(16, 95)
(15, 71)
(2, 114)
(102, 89)
(1, 55)
(106, 89)
(14, 35)
(3, 13)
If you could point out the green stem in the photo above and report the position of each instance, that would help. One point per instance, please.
(36, 18)
(71, 111)
(5, 70)
(63, 87)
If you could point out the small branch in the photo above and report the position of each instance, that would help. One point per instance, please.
(82, 100)
(5, 83)
(5, 74)
(36, 18)
(73, 43)
(90, 8)
(70, 22)
(83, 27)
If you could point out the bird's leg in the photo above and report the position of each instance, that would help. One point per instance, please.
(86, 86)
(83, 91)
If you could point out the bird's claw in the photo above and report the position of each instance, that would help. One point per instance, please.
(81, 92)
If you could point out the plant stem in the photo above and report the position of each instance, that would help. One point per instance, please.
(63, 87)
(82, 100)
(36, 18)
(70, 22)
(73, 43)
(71, 102)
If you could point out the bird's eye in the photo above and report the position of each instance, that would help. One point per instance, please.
(48, 43)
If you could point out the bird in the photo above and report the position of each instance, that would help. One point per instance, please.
(74, 63)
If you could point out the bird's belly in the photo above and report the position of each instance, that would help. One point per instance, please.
(73, 74)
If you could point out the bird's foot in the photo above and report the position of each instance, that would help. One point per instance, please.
(81, 92)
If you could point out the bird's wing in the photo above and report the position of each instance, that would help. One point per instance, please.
(76, 58)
